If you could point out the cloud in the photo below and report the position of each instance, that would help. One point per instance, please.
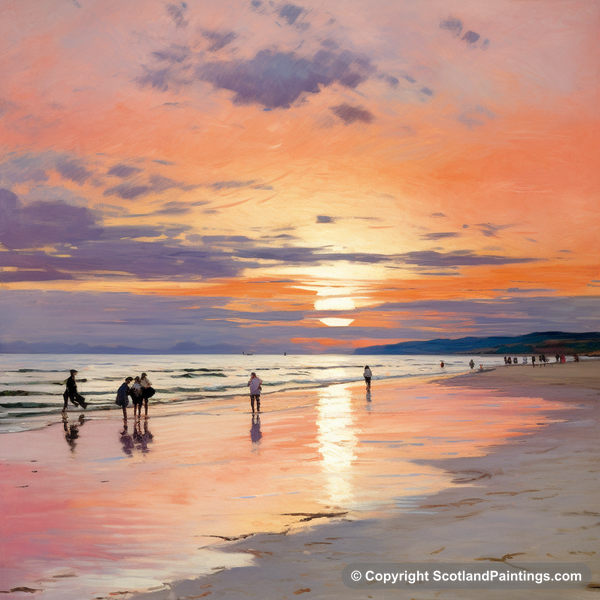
(439, 235)
(430, 258)
(470, 37)
(225, 185)
(74, 171)
(438, 215)
(218, 40)
(454, 26)
(290, 12)
(123, 171)
(22, 169)
(277, 79)
(351, 114)
(42, 223)
(490, 230)
(176, 12)
(127, 191)
(426, 91)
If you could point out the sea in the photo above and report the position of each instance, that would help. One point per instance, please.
(32, 385)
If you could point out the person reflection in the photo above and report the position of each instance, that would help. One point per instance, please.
(255, 432)
(141, 438)
(72, 430)
(126, 440)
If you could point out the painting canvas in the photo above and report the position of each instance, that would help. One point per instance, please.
(299, 299)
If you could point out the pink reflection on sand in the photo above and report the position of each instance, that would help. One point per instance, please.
(138, 511)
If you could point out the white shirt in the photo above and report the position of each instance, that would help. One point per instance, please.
(254, 384)
(367, 373)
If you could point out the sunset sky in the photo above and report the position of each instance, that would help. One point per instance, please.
(310, 177)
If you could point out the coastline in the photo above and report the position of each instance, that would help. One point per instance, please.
(334, 476)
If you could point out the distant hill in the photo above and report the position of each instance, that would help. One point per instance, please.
(547, 342)
(59, 348)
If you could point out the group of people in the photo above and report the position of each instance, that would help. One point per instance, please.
(542, 359)
(140, 391)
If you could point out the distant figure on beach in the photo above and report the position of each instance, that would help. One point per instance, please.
(563, 359)
(533, 360)
(524, 360)
(123, 394)
(509, 360)
(505, 360)
(575, 358)
(543, 360)
(147, 391)
(557, 358)
(255, 386)
(367, 375)
(442, 364)
(137, 395)
(71, 392)
(515, 361)
(472, 364)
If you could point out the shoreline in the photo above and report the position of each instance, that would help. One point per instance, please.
(514, 483)
(357, 452)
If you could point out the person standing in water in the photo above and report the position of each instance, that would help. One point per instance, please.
(123, 397)
(147, 391)
(471, 363)
(255, 386)
(367, 374)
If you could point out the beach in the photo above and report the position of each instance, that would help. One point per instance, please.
(212, 501)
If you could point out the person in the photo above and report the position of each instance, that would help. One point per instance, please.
(367, 375)
(524, 360)
(533, 360)
(137, 395)
(255, 386)
(147, 391)
(472, 364)
(556, 358)
(509, 360)
(515, 361)
(442, 364)
(575, 357)
(71, 393)
(123, 394)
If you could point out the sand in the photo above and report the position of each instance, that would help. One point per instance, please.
(494, 466)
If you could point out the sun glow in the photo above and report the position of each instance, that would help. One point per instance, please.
(334, 322)
(332, 303)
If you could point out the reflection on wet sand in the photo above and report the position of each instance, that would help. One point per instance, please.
(72, 430)
(255, 432)
(138, 440)
(337, 441)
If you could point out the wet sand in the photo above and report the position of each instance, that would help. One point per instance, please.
(211, 502)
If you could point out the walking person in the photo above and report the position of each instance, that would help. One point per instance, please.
(147, 391)
(472, 364)
(71, 392)
(123, 397)
(255, 387)
(533, 360)
(367, 374)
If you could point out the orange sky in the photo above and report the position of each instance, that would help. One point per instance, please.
(421, 160)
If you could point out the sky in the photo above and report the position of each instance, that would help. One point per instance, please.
(311, 177)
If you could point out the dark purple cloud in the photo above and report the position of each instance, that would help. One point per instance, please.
(290, 12)
(124, 171)
(127, 191)
(225, 185)
(439, 235)
(454, 26)
(324, 219)
(42, 223)
(426, 91)
(277, 79)
(74, 171)
(470, 37)
(351, 114)
(218, 39)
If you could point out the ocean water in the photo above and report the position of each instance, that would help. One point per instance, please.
(31, 386)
